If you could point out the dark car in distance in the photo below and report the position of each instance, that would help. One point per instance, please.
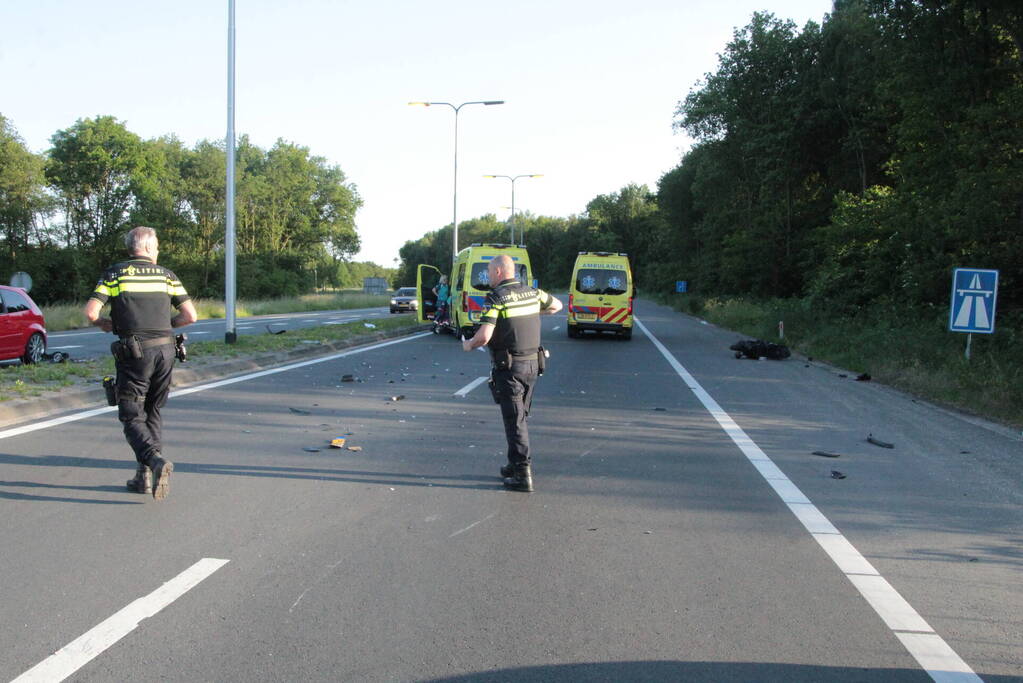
(22, 327)
(404, 300)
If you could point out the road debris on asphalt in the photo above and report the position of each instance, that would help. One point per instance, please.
(865, 377)
(369, 325)
(300, 411)
(878, 442)
(310, 449)
(337, 443)
(827, 454)
(757, 348)
(397, 398)
(354, 449)
(347, 378)
(270, 330)
(835, 474)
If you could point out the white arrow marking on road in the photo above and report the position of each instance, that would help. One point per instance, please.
(84, 649)
(461, 393)
(928, 648)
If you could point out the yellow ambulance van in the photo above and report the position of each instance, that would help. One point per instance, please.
(600, 294)
(469, 282)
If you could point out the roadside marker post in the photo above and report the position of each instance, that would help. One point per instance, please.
(974, 295)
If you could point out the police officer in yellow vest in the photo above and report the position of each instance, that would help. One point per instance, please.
(141, 294)
(510, 328)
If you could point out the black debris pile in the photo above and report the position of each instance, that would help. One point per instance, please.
(755, 348)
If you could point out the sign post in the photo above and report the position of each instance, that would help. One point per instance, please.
(974, 295)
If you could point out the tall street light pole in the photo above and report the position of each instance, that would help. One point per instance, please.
(513, 179)
(454, 220)
(230, 333)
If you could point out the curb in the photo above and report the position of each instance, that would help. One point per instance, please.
(20, 410)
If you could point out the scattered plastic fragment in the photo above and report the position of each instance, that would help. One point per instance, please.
(842, 375)
(398, 397)
(648, 532)
(270, 330)
(310, 449)
(878, 442)
(835, 474)
(347, 378)
(355, 449)
(372, 327)
(827, 454)
(300, 411)
(660, 410)
(337, 443)
(865, 377)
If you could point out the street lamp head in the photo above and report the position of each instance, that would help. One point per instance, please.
(536, 175)
(490, 102)
(419, 104)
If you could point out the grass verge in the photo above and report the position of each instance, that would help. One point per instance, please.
(910, 349)
(61, 317)
(27, 381)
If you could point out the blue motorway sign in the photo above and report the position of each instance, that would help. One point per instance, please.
(974, 292)
(681, 286)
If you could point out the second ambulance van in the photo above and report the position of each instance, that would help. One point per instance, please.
(600, 294)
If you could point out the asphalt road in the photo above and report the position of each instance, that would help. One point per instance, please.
(681, 528)
(90, 343)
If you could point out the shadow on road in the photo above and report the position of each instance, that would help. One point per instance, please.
(456, 481)
(711, 672)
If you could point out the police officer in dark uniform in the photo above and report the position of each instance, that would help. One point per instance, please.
(510, 328)
(141, 294)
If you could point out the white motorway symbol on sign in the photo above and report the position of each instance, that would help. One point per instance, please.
(974, 293)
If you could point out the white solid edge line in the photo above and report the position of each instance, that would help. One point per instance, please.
(74, 417)
(470, 386)
(930, 651)
(87, 647)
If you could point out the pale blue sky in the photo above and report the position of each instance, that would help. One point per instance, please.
(590, 89)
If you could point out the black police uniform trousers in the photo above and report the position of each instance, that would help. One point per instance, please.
(142, 389)
(513, 388)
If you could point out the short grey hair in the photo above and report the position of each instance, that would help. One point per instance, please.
(139, 238)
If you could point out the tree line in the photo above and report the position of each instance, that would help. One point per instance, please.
(63, 213)
(852, 163)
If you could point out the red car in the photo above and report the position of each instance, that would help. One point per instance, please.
(22, 328)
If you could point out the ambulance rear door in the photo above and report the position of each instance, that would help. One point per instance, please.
(427, 277)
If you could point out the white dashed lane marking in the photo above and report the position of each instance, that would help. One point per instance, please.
(87, 647)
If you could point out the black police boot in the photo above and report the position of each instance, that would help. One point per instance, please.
(507, 471)
(143, 481)
(161, 476)
(521, 479)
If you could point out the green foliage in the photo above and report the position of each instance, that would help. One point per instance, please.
(23, 200)
(295, 213)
